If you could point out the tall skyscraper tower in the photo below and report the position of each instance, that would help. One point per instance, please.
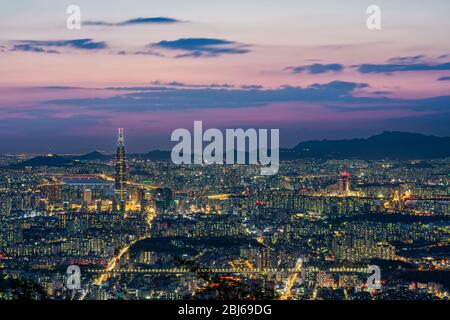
(120, 175)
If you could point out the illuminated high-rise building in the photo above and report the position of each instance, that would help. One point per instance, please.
(87, 196)
(344, 184)
(120, 175)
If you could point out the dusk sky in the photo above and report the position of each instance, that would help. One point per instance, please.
(311, 68)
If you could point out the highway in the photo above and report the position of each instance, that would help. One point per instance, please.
(227, 270)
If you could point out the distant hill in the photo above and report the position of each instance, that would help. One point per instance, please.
(156, 155)
(40, 161)
(389, 144)
(92, 156)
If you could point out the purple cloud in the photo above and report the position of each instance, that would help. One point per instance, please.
(135, 21)
(202, 47)
(44, 45)
(317, 68)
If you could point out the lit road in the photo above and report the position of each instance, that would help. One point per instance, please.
(113, 262)
(262, 242)
(244, 269)
(184, 270)
(287, 292)
(131, 183)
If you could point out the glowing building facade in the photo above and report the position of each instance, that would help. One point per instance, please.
(120, 175)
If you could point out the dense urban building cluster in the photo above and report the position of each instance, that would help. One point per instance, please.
(148, 229)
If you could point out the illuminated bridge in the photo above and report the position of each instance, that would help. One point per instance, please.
(226, 270)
